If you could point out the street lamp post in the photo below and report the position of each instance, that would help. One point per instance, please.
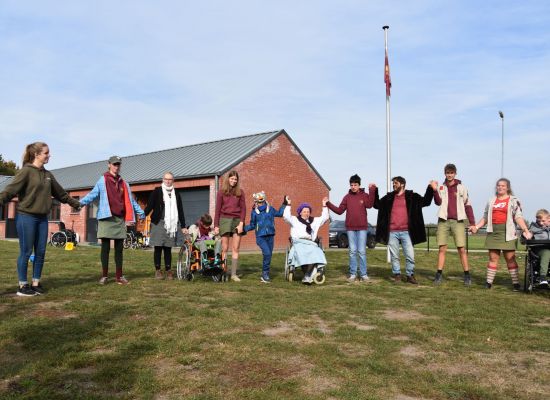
(502, 145)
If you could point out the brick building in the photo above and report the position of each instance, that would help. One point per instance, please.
(268, 161)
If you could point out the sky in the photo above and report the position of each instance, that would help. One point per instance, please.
(96, 78)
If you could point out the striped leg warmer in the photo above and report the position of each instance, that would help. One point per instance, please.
(491, 272)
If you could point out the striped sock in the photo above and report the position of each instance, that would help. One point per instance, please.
(491, 272)
(513, 269)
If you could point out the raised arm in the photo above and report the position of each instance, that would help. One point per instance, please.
(428, 196)
(341, 208)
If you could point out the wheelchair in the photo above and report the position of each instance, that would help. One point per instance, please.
(191, 262)
(290, 268)
(134, 239)
(63, 236)
(532, 264)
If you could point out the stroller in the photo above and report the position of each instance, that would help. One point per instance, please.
(532, 264)
(209, 262)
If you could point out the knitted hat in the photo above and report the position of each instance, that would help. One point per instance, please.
(302, 206)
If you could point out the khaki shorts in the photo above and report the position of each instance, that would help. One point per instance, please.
(451, 227)
(228, 226)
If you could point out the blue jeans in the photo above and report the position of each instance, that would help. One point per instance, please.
(357, 247)
(403, 238)
(266, 244)
(33, 234)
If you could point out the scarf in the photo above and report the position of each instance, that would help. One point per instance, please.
(170, 210)
(307, 223)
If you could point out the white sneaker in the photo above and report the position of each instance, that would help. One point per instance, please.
(351, 278)
(365, 278)
(307, 279)
(103, 280)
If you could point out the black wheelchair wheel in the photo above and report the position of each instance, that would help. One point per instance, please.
(59, 239)
(182, 267)
(529, 278)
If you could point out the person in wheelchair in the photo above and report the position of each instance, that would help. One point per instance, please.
(541, 231)
(202, 237)
(305, 252)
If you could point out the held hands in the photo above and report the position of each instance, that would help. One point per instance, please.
(185, 231)
(372, 185)
(287, 200)
(528, 235)
(216, 230)
(325, 201)
(472, 229)
(434, 184)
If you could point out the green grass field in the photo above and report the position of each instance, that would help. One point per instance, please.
(204, 340)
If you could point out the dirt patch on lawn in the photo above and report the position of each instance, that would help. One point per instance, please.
(53, 309)
(404, 397)
(282, 328)
(411, 351)
(362, 327)
(322, 326)
(352, 350)
(491, 370)
(400, 338)
(403, 315)
(544, 323)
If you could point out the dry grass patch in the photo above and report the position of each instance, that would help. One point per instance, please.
(403, 315)
(362, 327)
(282, 328)
(400, 338)
(412, 351)
(545, 322)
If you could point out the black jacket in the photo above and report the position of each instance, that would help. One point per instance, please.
(414, 202)
(156, 203)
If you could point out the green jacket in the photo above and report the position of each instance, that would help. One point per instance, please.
(34, 188)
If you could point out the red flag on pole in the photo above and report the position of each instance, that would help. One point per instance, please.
(387, 78)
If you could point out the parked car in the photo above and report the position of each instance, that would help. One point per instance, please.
(338, 236)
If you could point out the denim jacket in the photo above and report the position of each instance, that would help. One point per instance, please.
(104, 210)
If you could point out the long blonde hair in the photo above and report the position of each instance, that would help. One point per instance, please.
(31, 151)
(227, 189)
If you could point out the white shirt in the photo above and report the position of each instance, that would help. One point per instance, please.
(298, 230)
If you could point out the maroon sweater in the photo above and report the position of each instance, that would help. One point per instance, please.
(451, 206)
(230, 206)
(355, 205)
(399, 220)
(115, 193)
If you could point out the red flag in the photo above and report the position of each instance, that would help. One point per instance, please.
(387, 78)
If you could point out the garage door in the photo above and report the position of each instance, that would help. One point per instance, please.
(195, 203)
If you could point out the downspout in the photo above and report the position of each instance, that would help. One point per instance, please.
(216, 184)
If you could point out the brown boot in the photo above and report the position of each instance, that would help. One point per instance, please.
(412, 279)
(397, 278)
(170, 275)
(159, 275)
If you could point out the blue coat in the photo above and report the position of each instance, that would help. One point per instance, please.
(104, 210)
(262, 220)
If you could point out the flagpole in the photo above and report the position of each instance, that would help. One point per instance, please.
(388, 141)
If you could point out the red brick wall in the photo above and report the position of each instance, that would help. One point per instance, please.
(278, 169)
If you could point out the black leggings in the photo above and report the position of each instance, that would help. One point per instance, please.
(106, 248)
(167, 257)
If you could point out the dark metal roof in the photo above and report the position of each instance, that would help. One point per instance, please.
(193, 161)
(4, 180)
